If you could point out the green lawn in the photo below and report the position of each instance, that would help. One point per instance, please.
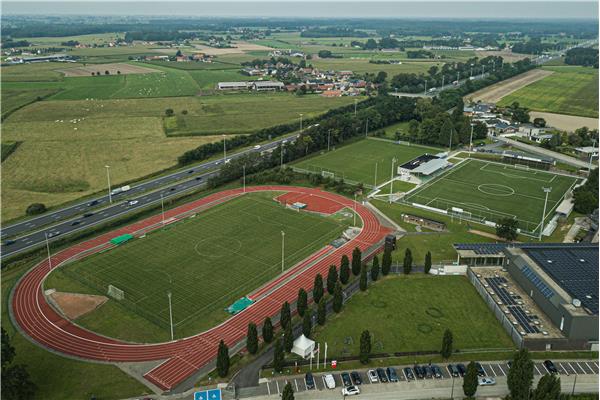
(411, 313)
(13, 99)
(357, 161)
(362, 65)
(491, 191)
(207, 262)
(569, 90)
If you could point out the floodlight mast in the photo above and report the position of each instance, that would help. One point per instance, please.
(282, 250)
(546, 190)
(108, 179)
(170, 313)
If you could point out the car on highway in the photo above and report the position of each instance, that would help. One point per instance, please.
(486, 381)
(372, 376)
(480, 370)
(133, 202)
(190, 171)
(75, 223)
(218, 162)
(453, 370)
(350, 391)
(550, 367)
(198, 178)
(309, 380)
(346, 380)
(409, 374)
(393, 375)
(419, 371)
(93, 203)
(329, 381)
(437, 372)
(228, 161)
(9, 242)
(382, 376)
(257, 147)
(462, 370)
(356, 378)
(172, 189)
(87, 215)
(53, 234)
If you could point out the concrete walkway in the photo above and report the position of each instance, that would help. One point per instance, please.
(544, 152)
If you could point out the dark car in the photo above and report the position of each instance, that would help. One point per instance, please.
(480, 370)
(419, 372)
(190, 171)
(550, 367)
(409, 373)
(462, 370)
(346, 380)
(172, 189)
(391, 372)
(356, 378)
(453, 370)
(87, 215)
(310, 381)
(428, 372)
(75, 223)
(382, 376)
(92, 203)
(9, 242)
(437, 372)
(509, 364)
(198, 178)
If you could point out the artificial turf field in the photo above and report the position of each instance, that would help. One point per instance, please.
(207, 261)
(411, 313)
(356, 162)
(491, 191)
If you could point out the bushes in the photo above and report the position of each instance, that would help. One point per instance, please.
(35, 209)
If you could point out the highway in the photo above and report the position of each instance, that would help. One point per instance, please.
(31, 233)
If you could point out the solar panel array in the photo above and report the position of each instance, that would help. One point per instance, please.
(537, 282)
(524, 319)
(497, 286)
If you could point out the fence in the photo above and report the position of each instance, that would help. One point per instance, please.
(335, 175)
(504, 321)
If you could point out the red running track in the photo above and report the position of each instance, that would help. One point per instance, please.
(185, 356)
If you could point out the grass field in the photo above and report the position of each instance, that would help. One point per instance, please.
(569, 90)
(207, 262)
(362, 65)
(492, 191)
(357, 161)
(411, 313)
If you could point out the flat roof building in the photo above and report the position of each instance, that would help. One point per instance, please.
(233, 85)
(268, 85)
(426, 164)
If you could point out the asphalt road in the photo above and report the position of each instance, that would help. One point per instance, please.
(83, 215)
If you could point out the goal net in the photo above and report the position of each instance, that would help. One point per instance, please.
(115, 292)
(521, 166)
(327, 174)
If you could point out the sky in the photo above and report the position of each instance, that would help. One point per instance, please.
(446, 9)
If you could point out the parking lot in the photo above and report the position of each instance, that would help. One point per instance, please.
(500, 369)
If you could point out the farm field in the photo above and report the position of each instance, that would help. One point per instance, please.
(207, 262)
(569, 90)
(490, 191)
(357, 161)
(411, 313)
(362, 65)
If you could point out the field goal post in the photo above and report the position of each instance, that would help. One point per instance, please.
(115, 292)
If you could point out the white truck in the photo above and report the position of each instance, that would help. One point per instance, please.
(120, 190)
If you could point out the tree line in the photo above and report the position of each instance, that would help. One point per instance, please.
(584, 56)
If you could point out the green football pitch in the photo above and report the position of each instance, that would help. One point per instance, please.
(488, 192)
(207, 261)
(358, 161)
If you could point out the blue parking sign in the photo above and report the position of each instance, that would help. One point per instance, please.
(213, 394)
(201, 395)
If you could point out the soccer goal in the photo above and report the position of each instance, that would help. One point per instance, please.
(522, 166)
(327, 174)
(115, 292)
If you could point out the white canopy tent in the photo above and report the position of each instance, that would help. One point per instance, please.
(303, 346)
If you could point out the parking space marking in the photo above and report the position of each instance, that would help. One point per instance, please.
(563, 368)
(323, 378)
(536, 368)
(486, 371)
(594, 367)
(501, 370)
(590, 368)
(493, 370)
(579, 369)
(572, 369)
(296, 382)
(584, 367)
(268, 388)
(277, 383)
(596, 364)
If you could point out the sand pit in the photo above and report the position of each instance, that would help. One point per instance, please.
(495, 92)
(565, 122)
(113, 69)
(74, 305)
(508, 56)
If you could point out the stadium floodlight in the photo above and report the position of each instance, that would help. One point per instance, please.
(224, 150)
(471, 140)
(354, 204)
(301, 122)
(48, 248)
(546, 190)
(244, 179)
(170, 313)
(108, 178)
(282, 249)
(162, 206)
(392, 180)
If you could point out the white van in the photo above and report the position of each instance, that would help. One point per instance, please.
(329, 381)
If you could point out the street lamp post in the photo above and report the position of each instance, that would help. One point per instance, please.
(224, 150)
(355, 102)
(170, 313)
(328, 139)
(244, 175)
(375, 183)
(546, 190)
(162, 206)
(392, 180)
(48, 248)
(108, 179)
(471, 141)
(282, 250)
(301, 123)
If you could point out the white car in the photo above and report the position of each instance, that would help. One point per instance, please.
(350, 391)
(227, 161)
(257, 147)
(486, 381)
(372, 374)
(133, 202)
(329, 381)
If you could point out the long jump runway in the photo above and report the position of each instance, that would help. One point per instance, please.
(183, 357)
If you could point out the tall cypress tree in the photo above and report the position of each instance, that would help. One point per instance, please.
(307, 324)
(223, 359)
(365, 347)
(318, 288)
(302, 303)
(285, 316)
(267, 330)
(427, 262)
(338, 299)
(288, 339)
(356, 261)
(278, 356)
(363, 278)
(288, 392)
(470, 380)
(520, 375)
(332, 278)
(344, 269)
(386, 261)
(375, 269)
(322, 312)
(548, 388)
(252, 339)
(446, 351)
(407, 263)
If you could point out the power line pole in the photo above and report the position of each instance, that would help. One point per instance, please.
(108, 178)
(282, 249)
(170, 313)
(546, 190)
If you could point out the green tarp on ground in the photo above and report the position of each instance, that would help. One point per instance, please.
(239, 305)
(121, 239)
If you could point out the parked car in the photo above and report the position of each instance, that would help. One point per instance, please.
(329, 381)
(550, 367)
(419, 372)
(350, 391)
(486, 381)
(437, 372)
(392, 374)
(409, 373)
(428, 372)
(462, 370)
(356, 378)
(309, 380)
(346, 380)
(372, 376)
(509, 364)
(480, 370)
(382, 376)
(453, 370)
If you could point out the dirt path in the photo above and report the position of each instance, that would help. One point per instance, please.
(487, 234)
(565, 122)
(495, 92)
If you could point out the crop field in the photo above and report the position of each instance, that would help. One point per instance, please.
(357, 161)
(206, 262)
(489, 192)
(569, 90)
(411, 313)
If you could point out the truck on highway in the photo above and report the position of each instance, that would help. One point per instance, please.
(120, 190)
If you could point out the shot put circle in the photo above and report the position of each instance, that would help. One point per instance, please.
(496, 189)
(424, 328)
(217, 247)
(434, 312)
